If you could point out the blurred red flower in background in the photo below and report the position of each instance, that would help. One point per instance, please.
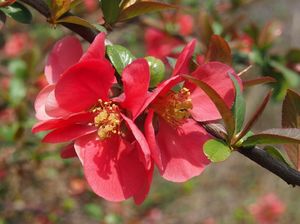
(268, 209)
(91, 5)
(17, 44)
(161, 44)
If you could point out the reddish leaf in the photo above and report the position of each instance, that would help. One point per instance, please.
(291, 119)
(218, 50)
(255, 117)
(274, 136)
(205, 22)
(142, 7)
(261, 80)
(223, 109)
(269, 33)
(127, 3)
(76, 20)
(6, 3)
(58, 8)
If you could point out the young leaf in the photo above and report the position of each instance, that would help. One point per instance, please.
(2, 19)
(291, 77)
(239, 106)
(258, 81)
(291, 119)
(223, 109)
(59, 7)
(216, 150)
(111, 10)
(274, 136)
(18, 12)
(76, 20)
(127, 3)
(255, 117)
(6, 3)
(219, 50)
(119, 56)
(205, 22)
(143, 7)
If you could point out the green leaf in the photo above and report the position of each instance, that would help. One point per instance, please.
(111, 10)
(293, 56)
(19, 68)
(119, 56)
(275, 153)
(140, 8)
(157, 70)
(218, 50)
(223, 109)
(239, 107)
(18, 12)
(94, 211)
(291, 119)
(290, 76)
(17, 91)
(274, 136)
(216, 150)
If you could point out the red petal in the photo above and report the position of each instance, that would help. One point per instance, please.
(143, 145)
(140, 196)
(68, 133)
(68, 152)
(182, 150)
(136, 78)
(112, 167)
(216, 75)
(80, 118)
(64, 54)
(182, 64)
(40, 103)
(96, 49)
(53, 109)
(83, 84)
(150, 136)
(160, 44)
(162, 89)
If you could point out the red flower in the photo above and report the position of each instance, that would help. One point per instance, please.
(77, 107)
(268, 209)
(186, 24)
(177, 146)
(17, 44)
(91, 5)
(160, 44)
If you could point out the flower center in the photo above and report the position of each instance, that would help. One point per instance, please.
(174, 107)
(107, 120)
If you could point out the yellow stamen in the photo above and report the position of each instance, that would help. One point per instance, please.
(107, 120)
(174, 107)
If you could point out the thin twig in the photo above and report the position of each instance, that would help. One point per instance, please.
(39, 5)
(262, 158)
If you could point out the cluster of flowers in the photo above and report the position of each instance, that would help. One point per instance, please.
(120, 136)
